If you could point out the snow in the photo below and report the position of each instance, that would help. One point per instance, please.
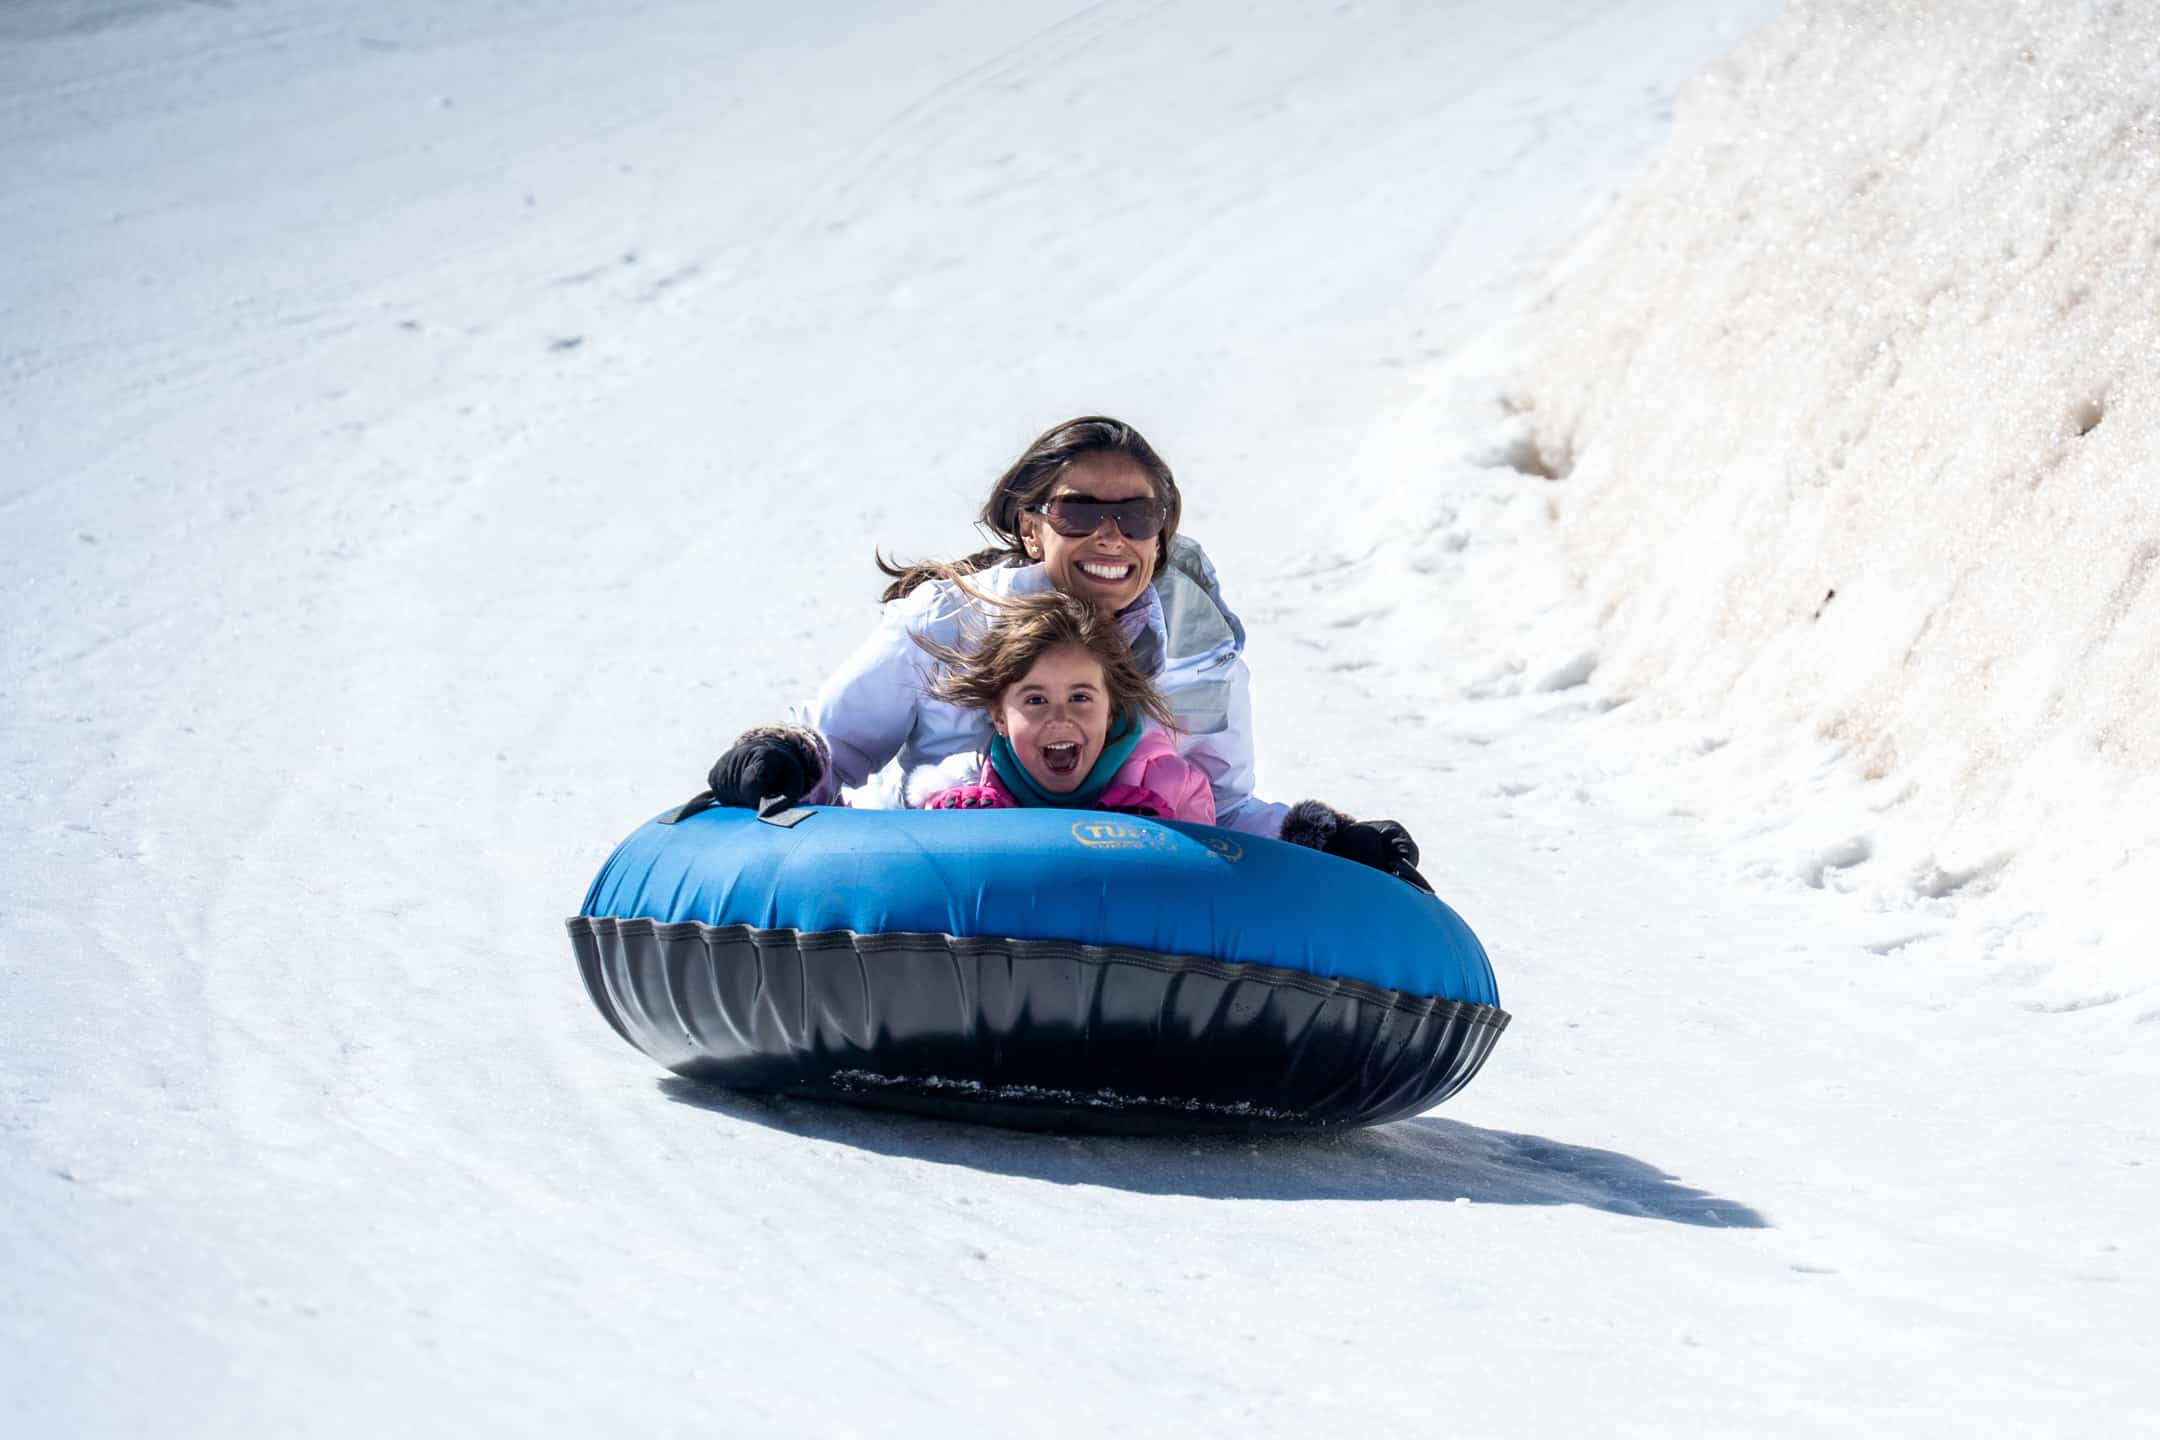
(1858, 403)
(430, 433)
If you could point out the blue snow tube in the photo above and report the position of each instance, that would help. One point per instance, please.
(1059, 969)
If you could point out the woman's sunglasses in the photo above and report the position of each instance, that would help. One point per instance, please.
(1078, 516)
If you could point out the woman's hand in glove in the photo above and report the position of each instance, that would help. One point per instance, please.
(772, 760)
(1382, 844)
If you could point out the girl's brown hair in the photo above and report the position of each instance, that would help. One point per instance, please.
(1026, 628)
(1029, 481)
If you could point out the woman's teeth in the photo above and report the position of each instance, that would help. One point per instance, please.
(1105, 572)
(1061, 758)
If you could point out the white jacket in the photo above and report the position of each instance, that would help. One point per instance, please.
(892, 743)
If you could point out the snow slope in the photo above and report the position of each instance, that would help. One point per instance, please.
(1857, 403)
(432, 431)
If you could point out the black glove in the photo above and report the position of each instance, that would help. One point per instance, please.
(1382, 844)
(773, 760)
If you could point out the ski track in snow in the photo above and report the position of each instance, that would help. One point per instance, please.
(431, 435)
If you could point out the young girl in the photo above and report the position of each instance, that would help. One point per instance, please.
(1069, 711)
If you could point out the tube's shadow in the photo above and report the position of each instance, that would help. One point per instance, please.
(1421, 1159)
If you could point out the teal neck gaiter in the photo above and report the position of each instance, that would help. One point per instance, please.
(1117, 746)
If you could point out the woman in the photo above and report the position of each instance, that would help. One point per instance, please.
(1092, 510)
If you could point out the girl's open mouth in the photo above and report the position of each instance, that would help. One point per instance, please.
(1062, 760)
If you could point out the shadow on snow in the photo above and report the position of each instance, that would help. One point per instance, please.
(1422, 1159)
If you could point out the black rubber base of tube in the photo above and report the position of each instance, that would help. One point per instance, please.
(1034, 1034)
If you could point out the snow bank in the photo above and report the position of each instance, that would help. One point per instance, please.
(1852, 410)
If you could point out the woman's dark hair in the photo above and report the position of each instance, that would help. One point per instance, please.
(1024, 628)
(1029, 482)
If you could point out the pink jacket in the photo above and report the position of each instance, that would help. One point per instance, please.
(1154, 780)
